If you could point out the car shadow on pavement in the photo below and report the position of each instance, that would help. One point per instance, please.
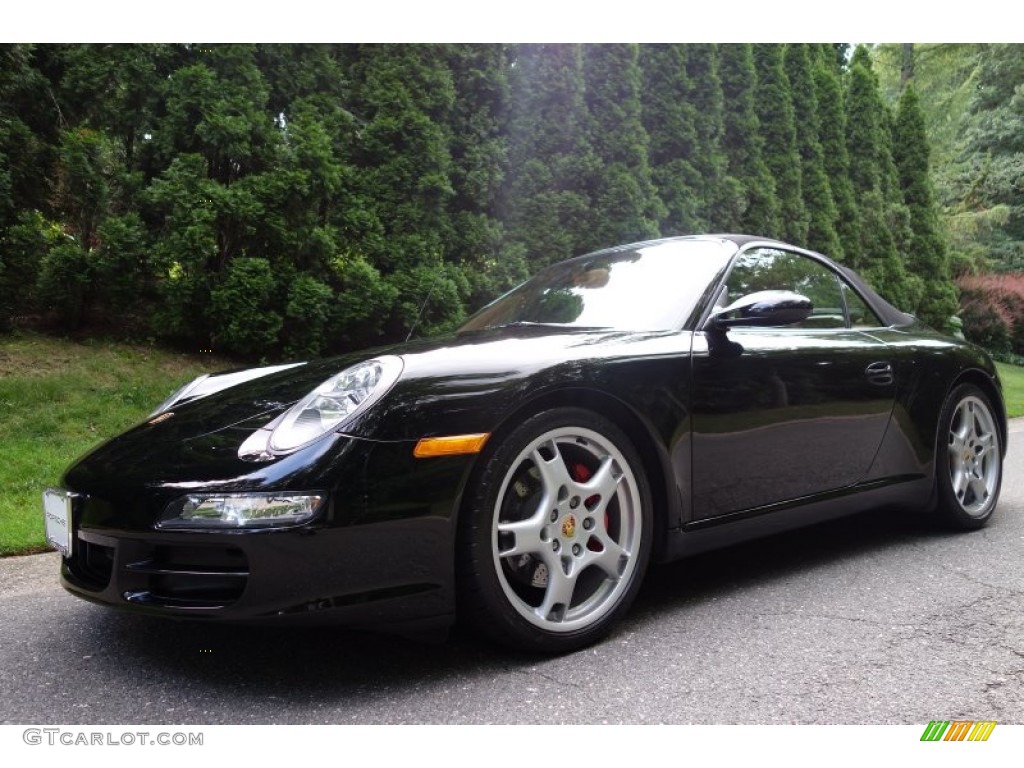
(760, 562)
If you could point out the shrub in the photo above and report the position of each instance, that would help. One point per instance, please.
(241, 309)
(121, 262)
(992, 309)
(22, 249)
(364, 302)
(307, 313)
(65, 276)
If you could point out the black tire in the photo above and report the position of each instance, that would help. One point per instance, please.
(968, 459)
(556, 533)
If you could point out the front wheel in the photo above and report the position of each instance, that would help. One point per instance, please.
(969, 463)
(557, 533)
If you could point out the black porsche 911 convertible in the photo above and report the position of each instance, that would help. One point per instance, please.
(640, 403)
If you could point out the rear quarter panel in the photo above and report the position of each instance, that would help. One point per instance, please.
(928, 366)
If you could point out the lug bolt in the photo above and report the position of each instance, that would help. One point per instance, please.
(574, 502)
(576, 549)
(555, 545)
(588, 523)
(554, 515)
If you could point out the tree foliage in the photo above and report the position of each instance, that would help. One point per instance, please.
(625, 205)
(778, 128)
(927, 254)
(671, 117)
(818, 200)
(969, 103)
(295, 200)
(992, 169)
(835, 156)
(743, 145)
(547, 200)
(875, 255)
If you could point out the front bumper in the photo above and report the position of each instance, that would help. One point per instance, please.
(380, 553)
(381, 573)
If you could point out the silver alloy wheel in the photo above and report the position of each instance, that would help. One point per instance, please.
(974, 456)
(568, 511)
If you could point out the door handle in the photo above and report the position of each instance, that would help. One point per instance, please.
(880, 373)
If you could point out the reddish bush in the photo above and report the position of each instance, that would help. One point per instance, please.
(992, 310)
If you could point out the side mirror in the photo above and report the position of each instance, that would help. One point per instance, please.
(762, 309)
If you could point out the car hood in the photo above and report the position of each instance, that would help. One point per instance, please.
(440, 391)
(457, 363)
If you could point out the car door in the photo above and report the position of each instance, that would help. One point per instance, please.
(781, 414)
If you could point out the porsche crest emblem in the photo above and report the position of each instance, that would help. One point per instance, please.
(569, 527)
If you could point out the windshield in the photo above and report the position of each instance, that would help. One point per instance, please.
(649, 287)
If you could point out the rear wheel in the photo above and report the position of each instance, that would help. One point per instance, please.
(969, 463)
(557, 534)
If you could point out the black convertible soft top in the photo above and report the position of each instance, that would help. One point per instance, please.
(889, 314)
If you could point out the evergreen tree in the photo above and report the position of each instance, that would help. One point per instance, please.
(216, 197)
(835, 157)
(405, 95)
(310, 199)
(927, 255)
(744, 146)
(988, 197)
(625, 205)
(817, 192)
(946, 77)
(102, 97)
(897, 213)
(117, 89)
(838, 55)
(479, 149)
(721, 198)
(28, 141)
(778, 129)
(546, 202)
(875, 257)
(307, 72)
(671, 122)
(299, 199)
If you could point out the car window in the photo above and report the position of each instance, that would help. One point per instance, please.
(861, 315)
(771, 269)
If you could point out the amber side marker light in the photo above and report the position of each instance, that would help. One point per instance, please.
(455, 445)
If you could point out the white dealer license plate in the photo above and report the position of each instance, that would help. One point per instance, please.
(57, 514)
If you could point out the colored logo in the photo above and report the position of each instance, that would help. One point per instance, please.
(958, 730)
(569, 527)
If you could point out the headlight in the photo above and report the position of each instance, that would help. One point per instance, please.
(241, 510)
(337, 400)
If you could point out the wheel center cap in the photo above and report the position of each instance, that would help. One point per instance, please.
(569, 526)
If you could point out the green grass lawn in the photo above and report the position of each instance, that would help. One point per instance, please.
(1012, 377)
(60, 398)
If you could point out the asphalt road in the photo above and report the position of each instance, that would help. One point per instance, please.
(874, 619)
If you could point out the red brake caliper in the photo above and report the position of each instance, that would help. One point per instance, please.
(581, 473)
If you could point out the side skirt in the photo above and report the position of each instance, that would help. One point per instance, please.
(910, 492)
